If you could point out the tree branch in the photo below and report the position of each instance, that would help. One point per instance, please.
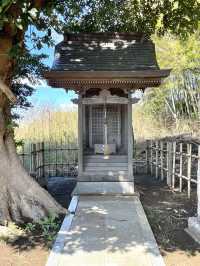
(7, 91)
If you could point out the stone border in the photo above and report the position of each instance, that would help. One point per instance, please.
(156, 258)
(193, 228)
(59, 243)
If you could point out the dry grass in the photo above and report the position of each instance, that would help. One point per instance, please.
(49, 125)
(148, 127)
(57, 125)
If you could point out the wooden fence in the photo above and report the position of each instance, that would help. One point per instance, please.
(47, 159)
(177, 161)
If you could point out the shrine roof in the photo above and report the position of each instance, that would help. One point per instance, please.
(102, 55)
(104, 52)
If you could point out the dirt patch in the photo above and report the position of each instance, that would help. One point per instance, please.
(25, 250)
(10, 256)
(28, 245)
(32, 249)
(167, 213)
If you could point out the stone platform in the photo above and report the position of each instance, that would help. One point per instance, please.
(194, 228)
(104, 188)
(107, 231)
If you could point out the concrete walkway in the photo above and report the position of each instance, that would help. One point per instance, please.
(109, 231)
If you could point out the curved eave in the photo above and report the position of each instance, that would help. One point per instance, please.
(130, 79)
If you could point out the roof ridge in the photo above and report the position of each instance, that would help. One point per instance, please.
(98, 36)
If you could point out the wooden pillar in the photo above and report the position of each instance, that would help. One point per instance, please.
(80, 136)
(173, 164)
(198, 185)
(169, 164)
(147, 156)
(194, 222)
(130, 139)
(84, 126)
(161, 160)
(181, 168)
(151, 156)
(157, 151)
(189, 163)
(33, 159)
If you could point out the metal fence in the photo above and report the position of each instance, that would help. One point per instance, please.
(47, 159)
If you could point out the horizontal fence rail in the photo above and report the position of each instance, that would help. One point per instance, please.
(177, 161)
(51, 159)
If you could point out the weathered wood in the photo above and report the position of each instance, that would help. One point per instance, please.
(181, 167)
(84, 126)
(198, 185)
(161, 160)
(80, 136)
(173, 164)
(157, 151)
(169, 164)
(189, 161)
(108, 100)
(147, 156)
(119, 137)
(43, 159)
(33, 158)
(151, 158)
(130, 138)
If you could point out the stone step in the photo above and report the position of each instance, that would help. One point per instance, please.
(106, 164)
(108, 159)
(105, 173)
(106, 168)
(91, 176)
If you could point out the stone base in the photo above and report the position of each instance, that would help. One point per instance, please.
(104, 178)
(104, 188)
(194, 228)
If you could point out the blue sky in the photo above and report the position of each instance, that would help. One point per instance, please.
(45, 95)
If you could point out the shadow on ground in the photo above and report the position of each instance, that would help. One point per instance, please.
(168, 214)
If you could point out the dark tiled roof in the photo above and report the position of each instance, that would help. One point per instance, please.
(105, 52)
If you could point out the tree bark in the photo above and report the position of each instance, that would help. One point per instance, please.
(21, 197)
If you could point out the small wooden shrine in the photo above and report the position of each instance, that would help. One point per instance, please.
(105, 69)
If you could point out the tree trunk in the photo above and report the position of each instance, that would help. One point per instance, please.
(21, 197)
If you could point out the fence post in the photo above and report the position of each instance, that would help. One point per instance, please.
(151, 157)
(147, 157)
(194, 222)
(33, 159)
(169, 164)
(173, 164)
(157, 147)
(181, 168)
(42, 159)
(38, 159)
(161, 160)
(189, 161)
(23, 155)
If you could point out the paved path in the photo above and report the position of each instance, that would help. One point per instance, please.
(109, 231)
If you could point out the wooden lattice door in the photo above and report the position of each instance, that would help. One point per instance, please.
(97, 126)
(114, 124)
